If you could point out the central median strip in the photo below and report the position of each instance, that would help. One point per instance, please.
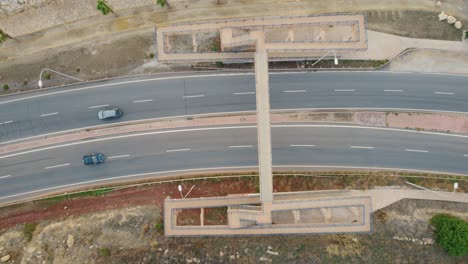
(369, 118)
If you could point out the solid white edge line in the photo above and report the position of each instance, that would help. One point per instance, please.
(344, 90)
(236, 112)
(98, 106)
(128, 82)
(298, 145)
(361, 147)
(119, 156)
(219, 75)
(229, 127)
(244, 93)
(49, 114)
(6, 176)
(295, 91)
(177, 150)
(194, 96)
(126, 176)
(241, 146)
(223, 168)
(57, 166)
(416, 150)
(444, 93)
(143, 101)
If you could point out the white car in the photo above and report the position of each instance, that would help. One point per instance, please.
(109, 114)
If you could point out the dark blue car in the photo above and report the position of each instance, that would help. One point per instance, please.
(93, 159)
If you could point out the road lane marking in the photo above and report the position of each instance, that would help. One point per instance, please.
(143, 101)
(244, 93)
(344, 90)
(6, 122)
(305, 146)
(416, 150)
(361, 147)
(241, 146)
(98, 106)
(6, 176)
(465, 155)
(118, 157)
(57, 166)
(194, 96)
(396, 91)
(49, 114)
(225, 128)
(444, 93)
(295, 91)
(177, 150)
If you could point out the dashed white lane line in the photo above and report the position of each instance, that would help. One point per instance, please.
(57, 166)
(6, 122)
(6, 176)
(241, 146)
(395, 91)
(361, 147)
(465, 155)
(177, 150)
(98, 106)
(49, 114)
(194, 96)
(143, 101)
(444, 93)
(118, 157)
(295, 91)
(244, 93)
(416, 150)
(344, 90)
(304, 146)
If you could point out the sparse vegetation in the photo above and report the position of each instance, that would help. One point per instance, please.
(451, 234)
(159, 227)
(28, 231)
(103, 7)
(151, 55)
(5, 87)
(3, 36)
(78, 69)
(47, 76)
(104, 252)
(344, 246)
(25, 82)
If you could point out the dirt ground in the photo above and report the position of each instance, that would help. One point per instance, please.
(124, 226)
(413, 24)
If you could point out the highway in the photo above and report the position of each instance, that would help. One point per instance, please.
(45, 112)
(293, 145)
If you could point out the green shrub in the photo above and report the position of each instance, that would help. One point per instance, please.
(451, 234)
(159, 227)
(103, 7)
(104, 252)
(6, 87)
(28, 230)
(151, 55)
(161, 3)
(48, 76)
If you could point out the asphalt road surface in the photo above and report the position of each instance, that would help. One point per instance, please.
(226, 147)
(62, 109)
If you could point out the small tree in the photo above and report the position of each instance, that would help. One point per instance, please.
(103, 7)
(6, 87)
(451, 234)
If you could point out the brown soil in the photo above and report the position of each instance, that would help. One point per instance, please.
(156, 193)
